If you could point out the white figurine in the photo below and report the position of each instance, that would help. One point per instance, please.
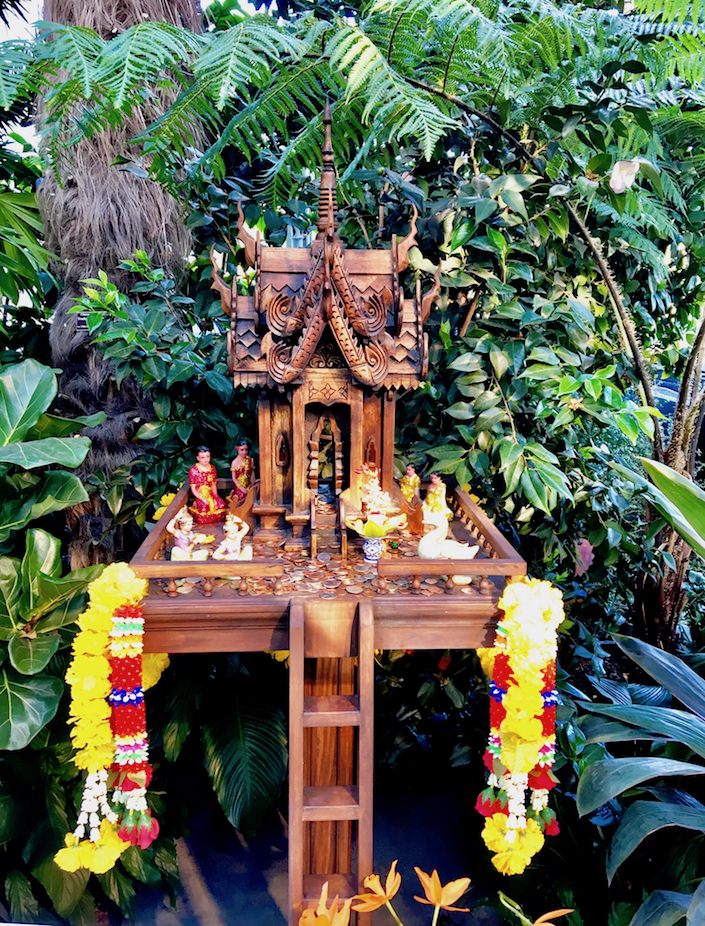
(231, 546)
(435, 545)
(181, 529)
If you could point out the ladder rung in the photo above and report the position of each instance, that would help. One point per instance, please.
(332, 711)
(335, 802)
(341, 886)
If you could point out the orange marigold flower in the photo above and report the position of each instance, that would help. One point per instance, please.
(379, 896)
(442, 895)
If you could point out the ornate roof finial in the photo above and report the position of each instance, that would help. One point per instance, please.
(327, 202)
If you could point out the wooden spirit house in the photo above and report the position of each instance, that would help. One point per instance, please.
(329, 340)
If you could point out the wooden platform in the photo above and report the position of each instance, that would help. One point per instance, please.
(332, 613)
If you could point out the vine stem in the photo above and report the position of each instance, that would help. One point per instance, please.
(593, 245)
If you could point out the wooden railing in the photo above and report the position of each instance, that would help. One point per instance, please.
(149, 561)
(496, 557)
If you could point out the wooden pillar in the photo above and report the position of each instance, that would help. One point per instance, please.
(264, 422)
(357, 449)
(388, 423)
(299, 450)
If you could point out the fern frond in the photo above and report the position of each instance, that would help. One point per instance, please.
(75, 49)
(674, 11)
(243, 55)
(15, 60)
(141, 54)
(408, 112)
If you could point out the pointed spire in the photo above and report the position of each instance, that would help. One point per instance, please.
(327, 202)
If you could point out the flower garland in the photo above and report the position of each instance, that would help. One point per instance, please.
(522, 742)
(108, 721)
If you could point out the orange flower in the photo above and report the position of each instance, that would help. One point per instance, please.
(379, 897)
(547, 917)
(324, 915)
(442, 896)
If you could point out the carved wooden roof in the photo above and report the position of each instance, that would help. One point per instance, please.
(309, 302)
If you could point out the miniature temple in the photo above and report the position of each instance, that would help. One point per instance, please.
(329, 340)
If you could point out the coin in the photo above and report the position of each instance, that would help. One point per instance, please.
(353, 589)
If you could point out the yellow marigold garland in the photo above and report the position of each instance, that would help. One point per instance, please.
(97, 842)
(521, 746)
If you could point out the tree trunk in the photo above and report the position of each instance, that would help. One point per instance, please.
(94, 218)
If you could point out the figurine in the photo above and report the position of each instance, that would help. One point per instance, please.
(435, 545)
(410, 483)
(208, 507)
(231, 547)
(372, 499)
(435, 501)
(242, 470)
(181, 529)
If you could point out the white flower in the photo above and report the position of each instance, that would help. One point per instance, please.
(623, 175)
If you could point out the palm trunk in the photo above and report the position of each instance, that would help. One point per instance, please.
(94, 218)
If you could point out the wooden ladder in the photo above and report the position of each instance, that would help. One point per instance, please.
(325, 635)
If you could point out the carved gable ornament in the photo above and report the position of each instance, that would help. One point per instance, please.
(327, 306)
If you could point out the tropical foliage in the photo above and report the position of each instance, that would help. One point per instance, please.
(677, 747)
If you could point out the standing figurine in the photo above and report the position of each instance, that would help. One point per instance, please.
(181, 529)
(242, 470)
(208, 507)
(231, 547)
(410, 483)
(435, 501)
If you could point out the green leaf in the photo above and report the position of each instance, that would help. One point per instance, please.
(65, 451)
(534, 489)
(668, 670)
(643, 818)
(27, 389)
(119, 888)
(26, 705)
(57, 491)
(603, 780)
(675, 725)
(220, 384)
(461, 411)
(65, 888)
(138, 864)
(661, 908)
(23, 903)
(30, 656)
(54, 426)
(9, 595)
(245, 757)
(688, 497)
(597, 730)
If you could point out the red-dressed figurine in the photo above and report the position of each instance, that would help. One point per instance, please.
(208, 507)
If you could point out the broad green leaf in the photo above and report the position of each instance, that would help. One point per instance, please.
(245, 757)
(65, 888)
(27, 389)
(137, 863)
(461, 411)
(66, 613)
(534, 489)
(696, 907)
(42, 555)
(54, 426)
(49, 592)
(20, 896)
(597, 730)
(58, 490)
(643, 818)
(688, 497)
(608, 778)
(684, 684)
(65, 451)
(30, 656)
(9, 595)
(26, 705)
(661, 908)
(677, 726)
